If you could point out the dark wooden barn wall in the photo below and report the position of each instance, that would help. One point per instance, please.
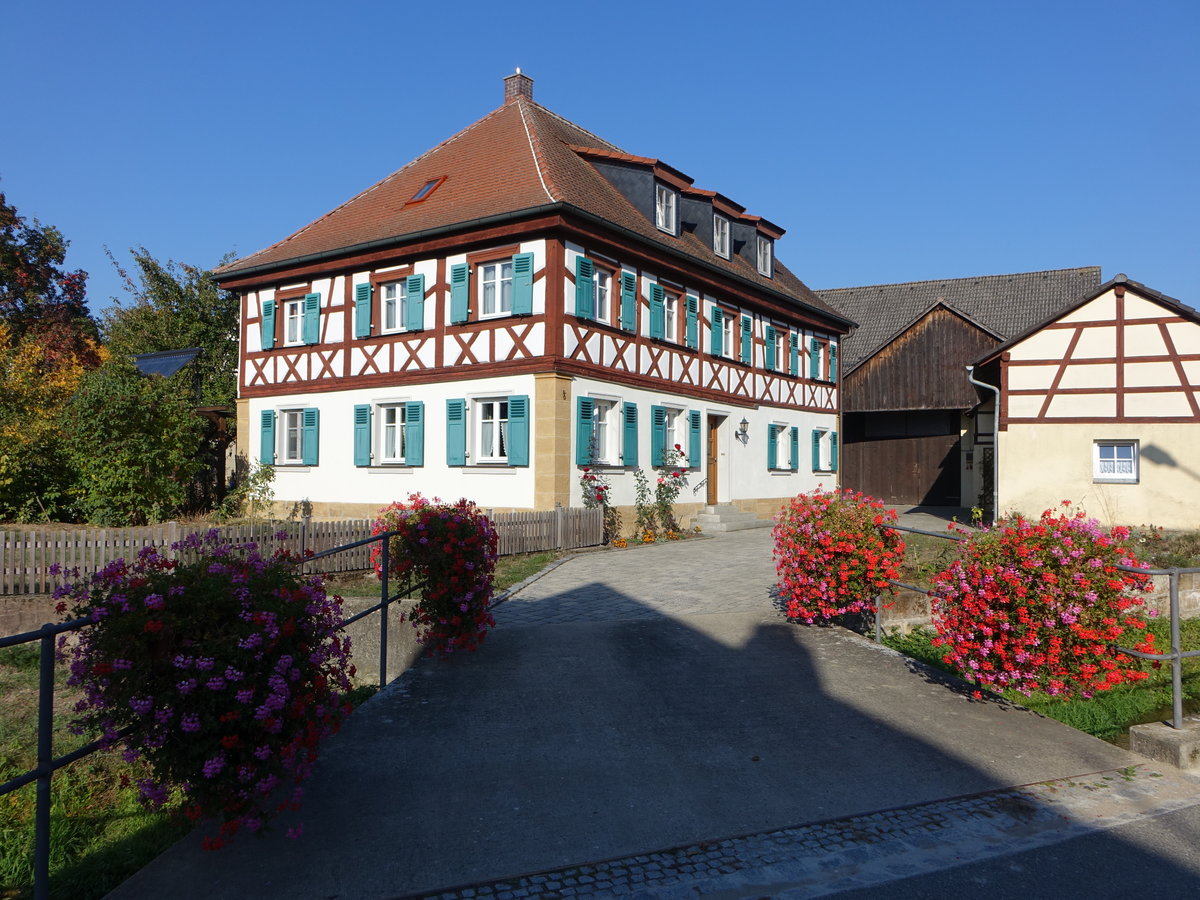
(923, 368)
(903, 458)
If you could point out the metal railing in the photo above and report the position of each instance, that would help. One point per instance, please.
(1176, 656)
(48, 764)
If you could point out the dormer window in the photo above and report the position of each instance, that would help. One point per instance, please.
(764, 256)
(721, 236)
(664, 208)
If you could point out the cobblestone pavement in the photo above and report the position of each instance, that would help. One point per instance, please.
(722, 573)
(867, 850)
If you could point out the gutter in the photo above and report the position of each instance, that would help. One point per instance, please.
(996, 441)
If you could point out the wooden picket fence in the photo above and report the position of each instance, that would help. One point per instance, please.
(29, 559)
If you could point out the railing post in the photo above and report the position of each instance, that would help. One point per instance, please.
(879, 618)
(383, 617)
(1176, 654)
(45, 760)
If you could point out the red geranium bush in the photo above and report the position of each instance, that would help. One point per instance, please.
(227, 668)
(453, 548)
(1040, 606)
(834, 554)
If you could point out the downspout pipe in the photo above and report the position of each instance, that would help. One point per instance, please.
(995, 441)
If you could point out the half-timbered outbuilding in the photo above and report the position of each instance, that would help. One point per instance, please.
(524, 300)
(912, 433)
(1100, 405)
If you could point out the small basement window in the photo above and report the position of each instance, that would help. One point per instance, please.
(1115, 462)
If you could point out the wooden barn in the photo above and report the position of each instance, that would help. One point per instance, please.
(910, 431)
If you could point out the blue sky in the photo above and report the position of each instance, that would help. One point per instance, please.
(894, 141)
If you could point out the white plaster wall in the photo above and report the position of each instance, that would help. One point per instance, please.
(1041, 465)
(337, 480)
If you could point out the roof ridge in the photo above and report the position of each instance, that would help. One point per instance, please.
(862, 287)
(539, 162)
(378, 184)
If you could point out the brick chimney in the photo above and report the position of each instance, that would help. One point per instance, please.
(517, 85)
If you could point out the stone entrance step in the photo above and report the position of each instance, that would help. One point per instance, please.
(727, 517)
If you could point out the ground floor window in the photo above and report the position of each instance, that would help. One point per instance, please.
(1115, 461)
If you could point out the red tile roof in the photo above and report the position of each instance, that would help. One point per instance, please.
(518, 157)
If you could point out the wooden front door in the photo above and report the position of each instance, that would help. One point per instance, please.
(714, 423)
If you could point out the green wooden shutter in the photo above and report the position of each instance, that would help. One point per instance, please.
(362, 434)
(456, 432)
(629, 442)
(833, 362)
(628, 301)
(716, 335)
(814, 358)
(747, 341)
(414, 433)
(268, 324)
(266, 446)
(816, 450)
(692, 331)
(794, 441)
(311, 323)
(362, 310)
(585, 288)
(658, 314)
(770, 347)
(694, 439)
(658, 434)
(522, 265)
(518, 430)
(460, 293)
(794, 341)
(585, 410)
(311, 436)
(833, 451)
(772, 446)
(414, 303)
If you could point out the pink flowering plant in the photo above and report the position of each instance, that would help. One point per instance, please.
(452, 548)
(1040, 606)
(597, 494)
(227, 667)
(834, 554)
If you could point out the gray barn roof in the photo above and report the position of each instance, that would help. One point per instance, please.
(1007, 305)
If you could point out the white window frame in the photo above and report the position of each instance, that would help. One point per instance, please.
(781, 345)
(783, 447)
(671, 429)
(601, 293)
(720, 236)
(498, 282)
(291, 452)
(606, 431)
(398, 304)
(826, 450)
(396, 429)
(491, 445)
(293, 322)
(665, 206)
(670, 316)
(727, 334)
(1113, 463)
(765, 255)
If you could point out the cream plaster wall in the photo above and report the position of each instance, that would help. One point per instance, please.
(1041, 465)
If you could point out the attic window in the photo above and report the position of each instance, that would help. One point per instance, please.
(764, 256)
(426, 189)
(664, 208)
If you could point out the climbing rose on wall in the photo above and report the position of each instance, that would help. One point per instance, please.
(834, 554)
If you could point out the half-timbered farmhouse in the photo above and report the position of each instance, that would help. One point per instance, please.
(523, 300)
(1099, 405)
(912, 433)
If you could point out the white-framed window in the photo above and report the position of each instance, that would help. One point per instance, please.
(720, 236)
(824, 450)
(664, 208)
(601, 294)
(781, 349)
(491, 420)
(606, 431)
(727, 334)
(292, 437)
(1115, 461)
(496, 288)
(764, 256)
(783, 446)
(673, 433)
(670, 311)
(293, 321)
(394, 303)
(391, 433)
